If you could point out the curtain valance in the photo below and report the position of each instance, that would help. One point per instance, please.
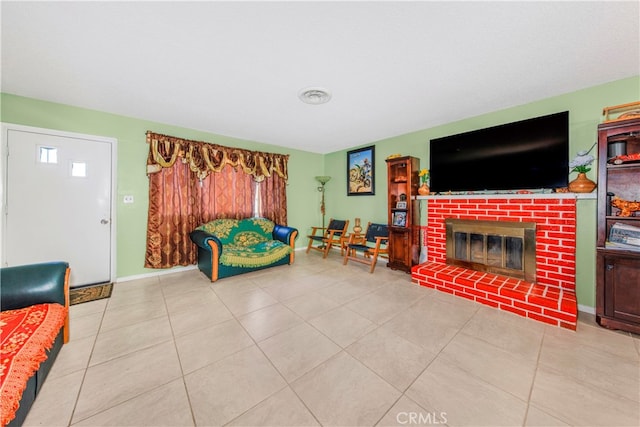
(204, 158)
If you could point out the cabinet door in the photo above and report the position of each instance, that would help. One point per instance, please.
(399, 253)
(622, 288)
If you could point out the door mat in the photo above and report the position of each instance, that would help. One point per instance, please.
(89, 293)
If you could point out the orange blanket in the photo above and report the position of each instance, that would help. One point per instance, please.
(26, 335)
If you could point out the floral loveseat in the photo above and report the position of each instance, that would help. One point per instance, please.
(227, 247)
(34, 324)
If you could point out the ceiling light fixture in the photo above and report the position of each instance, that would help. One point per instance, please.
(314, 95)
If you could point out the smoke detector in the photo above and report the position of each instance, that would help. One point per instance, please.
(314, 95)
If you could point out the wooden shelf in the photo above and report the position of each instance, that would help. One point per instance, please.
(623, 218)
(623, 166)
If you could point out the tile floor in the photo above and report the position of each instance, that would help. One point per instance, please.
(319, 343)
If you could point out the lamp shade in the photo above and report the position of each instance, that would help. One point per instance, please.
(323, 179)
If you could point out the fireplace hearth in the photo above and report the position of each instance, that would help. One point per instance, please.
(500, 247)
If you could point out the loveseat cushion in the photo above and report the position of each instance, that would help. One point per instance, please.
(256, 255)
(27, 334)
(240, 232)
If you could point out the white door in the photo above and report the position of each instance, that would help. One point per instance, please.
(59, 203)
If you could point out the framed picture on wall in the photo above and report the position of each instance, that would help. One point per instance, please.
(361, 172)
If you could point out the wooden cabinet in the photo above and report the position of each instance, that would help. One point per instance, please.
(620, 302)
(402, 187)
(618, 265)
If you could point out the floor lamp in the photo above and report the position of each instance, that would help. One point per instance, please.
(322, 180)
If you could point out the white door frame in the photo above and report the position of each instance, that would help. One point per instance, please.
(113, 142)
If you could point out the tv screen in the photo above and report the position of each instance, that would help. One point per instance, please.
(531, 154)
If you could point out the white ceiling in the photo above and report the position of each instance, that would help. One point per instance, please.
(235, 68)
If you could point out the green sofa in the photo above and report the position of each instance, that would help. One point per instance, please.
(228, 247)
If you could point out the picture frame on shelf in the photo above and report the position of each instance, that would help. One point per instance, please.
(401, 205)
(399, 219)
(361, 171)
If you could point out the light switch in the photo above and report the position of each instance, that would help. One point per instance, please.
(128, 199)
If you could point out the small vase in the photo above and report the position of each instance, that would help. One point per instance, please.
(357, 228)
(424, 190)
(582, 184)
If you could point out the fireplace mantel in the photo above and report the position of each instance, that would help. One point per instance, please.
(579, 196)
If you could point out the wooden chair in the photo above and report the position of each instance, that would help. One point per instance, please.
(372, 244)
(327, 237)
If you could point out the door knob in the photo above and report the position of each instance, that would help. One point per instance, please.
(104, 221)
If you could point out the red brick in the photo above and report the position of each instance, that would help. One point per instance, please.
(543, 301)
(515, 310)
(458, 211)
(465, 295)
(487, 302)
(439, 282)
(466, 281)
(567, 317)
(467, 205)
(487, 286)
(444, 289)
(497, 298)
(537, 207)
(568, 304)
(454, 286)
(559, 276)
(555, 248)
(552, 292)
(418, 276)
(544, 319)
(510, 207)
(512, 293)
(527, 307)
(476, 292)
(571, 326)
(559, 235)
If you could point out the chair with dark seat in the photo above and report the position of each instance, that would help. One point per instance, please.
(322, 239)
(372, 244)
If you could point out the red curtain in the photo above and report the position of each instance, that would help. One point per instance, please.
(179, 201)
(273, 192)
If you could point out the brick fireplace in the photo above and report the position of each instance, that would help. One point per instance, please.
(550, 298)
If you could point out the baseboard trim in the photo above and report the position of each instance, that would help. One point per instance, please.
(587, 309)
(155, 274)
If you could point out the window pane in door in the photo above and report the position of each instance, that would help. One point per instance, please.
(79, 169)
(48, 155)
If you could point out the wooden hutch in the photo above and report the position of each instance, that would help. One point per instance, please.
(618, 263)
(402, 210)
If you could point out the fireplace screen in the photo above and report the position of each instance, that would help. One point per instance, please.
(501, 247)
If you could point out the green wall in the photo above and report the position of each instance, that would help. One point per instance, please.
(131, 219)
(585, 107)
(585, 113)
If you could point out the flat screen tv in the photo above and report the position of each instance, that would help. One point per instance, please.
(531, 154)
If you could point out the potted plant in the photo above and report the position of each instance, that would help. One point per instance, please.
(580, 164)
(424, 190)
